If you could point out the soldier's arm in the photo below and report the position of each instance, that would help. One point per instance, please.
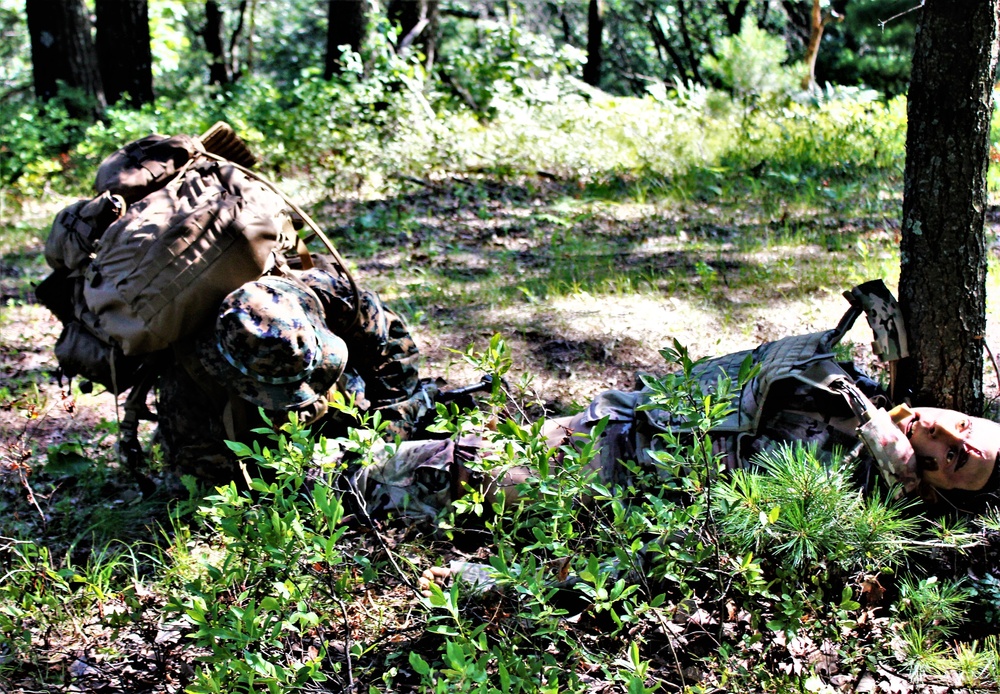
(380, 348)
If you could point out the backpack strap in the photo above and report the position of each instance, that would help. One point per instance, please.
(130, 451)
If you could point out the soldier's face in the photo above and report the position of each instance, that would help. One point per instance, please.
(954, 451)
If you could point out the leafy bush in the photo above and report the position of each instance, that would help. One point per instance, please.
(676, 573)
(384, 120)
(496, 60)
(276, 575)
(751, 65)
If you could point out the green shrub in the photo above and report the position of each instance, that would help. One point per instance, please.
(802, 512)
(751, 65)
(265, 586)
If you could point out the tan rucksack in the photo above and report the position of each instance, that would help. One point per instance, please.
(175, 228)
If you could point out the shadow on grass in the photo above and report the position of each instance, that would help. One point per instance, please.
(500, 242)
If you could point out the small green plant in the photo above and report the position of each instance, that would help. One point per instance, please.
(803, 512)
(934, 607)
(985, 592)
(262, 589)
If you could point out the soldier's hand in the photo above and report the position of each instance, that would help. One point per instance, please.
(436, 574)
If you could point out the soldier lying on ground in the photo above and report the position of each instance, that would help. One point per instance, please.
(800, 393)
(275, 346)
(179, 223)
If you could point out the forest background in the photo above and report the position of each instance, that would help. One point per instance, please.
(550, 192)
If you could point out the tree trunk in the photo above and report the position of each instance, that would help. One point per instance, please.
(817, 24)
(347, 24)
(123, 51)
(942, 281)
(595, 41)
(218, 69)
(235, 70)
(734, 14)
(662, 43)
(417, 20)
(62, 50)
(693, 58)
(559, 10)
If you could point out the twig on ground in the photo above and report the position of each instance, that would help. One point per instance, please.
(30, 491)
(363, 509)
(670, 644)
(418, 181)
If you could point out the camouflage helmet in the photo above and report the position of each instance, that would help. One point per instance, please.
(271, 345)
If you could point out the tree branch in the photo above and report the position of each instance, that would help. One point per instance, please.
(883, 22)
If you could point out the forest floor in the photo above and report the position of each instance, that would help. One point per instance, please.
(584, 290)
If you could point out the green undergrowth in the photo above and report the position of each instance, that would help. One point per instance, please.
(369, 134)
(559, 191)
(678, 577)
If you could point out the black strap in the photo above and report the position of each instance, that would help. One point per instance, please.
(130, 450)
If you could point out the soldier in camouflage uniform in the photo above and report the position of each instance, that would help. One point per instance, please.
(799, 393)
(283, 343)
(262, 349)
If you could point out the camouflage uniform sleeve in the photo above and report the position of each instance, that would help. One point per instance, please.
(380, 348)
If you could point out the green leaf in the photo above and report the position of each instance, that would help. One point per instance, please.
(67, 460)
(418, 664)
(773, 514)
(240, 449)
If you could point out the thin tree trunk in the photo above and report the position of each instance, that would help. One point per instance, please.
(123, 50)
(942, 281)
(559, 11)
(817, 24)
(734, 15)
(595, 41)
(218, 70)
(234, 42)
(418, 22)
(661, 42)
(250, 36)
(686, 35)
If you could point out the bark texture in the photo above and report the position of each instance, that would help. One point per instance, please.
(62, 50)
(942, 282)
(347, 24)
(123, 50)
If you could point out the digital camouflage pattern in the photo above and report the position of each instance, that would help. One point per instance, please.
(885, 319)
(191, 429)
(383, 354)
(796, 395)
(789, 399)
(271, 345)
(417, 479)
(198, 411)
